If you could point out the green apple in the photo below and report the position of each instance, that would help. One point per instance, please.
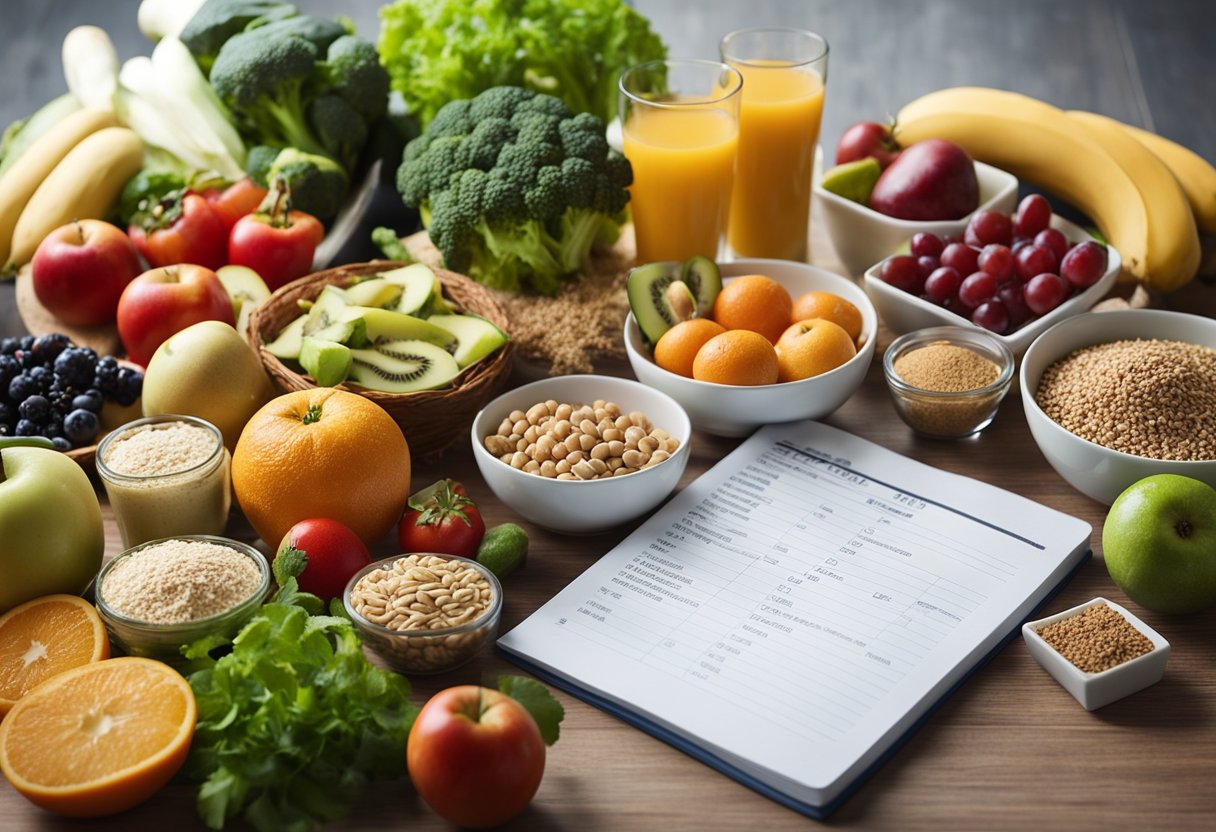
(1159, 542)
(209, 371)
(50, 523)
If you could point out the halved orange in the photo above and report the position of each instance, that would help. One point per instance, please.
(100, 738)
(44, 637)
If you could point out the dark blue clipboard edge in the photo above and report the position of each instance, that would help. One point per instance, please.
(818, 812)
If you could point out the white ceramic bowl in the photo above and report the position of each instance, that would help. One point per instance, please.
(862, 236)
(1093, 690)
(1097, 471)
(903, 312)
(728, 410)
(576, 506)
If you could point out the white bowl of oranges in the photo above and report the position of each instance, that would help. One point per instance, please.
(780, 342)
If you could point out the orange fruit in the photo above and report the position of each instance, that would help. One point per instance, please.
(737, 356)
(99, 739)
(830, 307)
(809, 348)
(321, 453)
(678, 346)
(754, 302)
(43, 637)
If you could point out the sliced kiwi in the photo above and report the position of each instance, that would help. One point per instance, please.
(704, 280)
(376, 291)
(327, 309)
(475, 336)
(387, 325)
(247, 290)
(287, 344)
(417, 284)
(403, 367)
(351, 331)
(659, 299)
(328, 362)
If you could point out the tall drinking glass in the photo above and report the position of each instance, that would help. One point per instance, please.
(784, 73)
(681, 125)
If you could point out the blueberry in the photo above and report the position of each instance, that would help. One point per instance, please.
(8, 346)
(105, 377)
(76, 366)
(27, 342)
(53, 426)
(80, 427)
(61, 443)
(28, 358)
(46, 347)
(22, 387)
(9, 368)
(88, 400)
(43, 377)
(6, 414)
(35, 408)
(130, 384)
(27, 428)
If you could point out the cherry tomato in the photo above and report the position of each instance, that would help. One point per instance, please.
(274, 241)
(181, 228)
(237, 200)
(335, 553)
(442, 519)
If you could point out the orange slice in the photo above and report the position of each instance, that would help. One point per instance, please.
(100, 738)
(43, 637)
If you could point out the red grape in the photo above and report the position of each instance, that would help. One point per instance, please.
(1034, 259)
(1044, 292)
(942, 284)
(1033, 215)
(926, 265)
(991, 315)
(1053, 239)
(1014, 297)
(925, 244)
(997, 260)
(976, 289)
(1084, 264)
(989, 227)
(961, 257)
(902, 273)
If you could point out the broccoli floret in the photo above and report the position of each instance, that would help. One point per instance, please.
(340, 129)
(218, 20)
(318, 31)
(318, 184)
(353, 71)
(514, 190)
(258, 161)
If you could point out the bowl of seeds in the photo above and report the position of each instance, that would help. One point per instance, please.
(1114, 397)
(424, 613)
(160, 595)
(948, 381)
(1098, 651)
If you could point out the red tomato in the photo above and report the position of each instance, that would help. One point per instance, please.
(441, 519)
(275, 242)
(185, 231)
(237, 200)
(475, 756)
(335, 554)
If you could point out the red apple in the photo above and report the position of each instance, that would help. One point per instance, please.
(867, 139)
(80, 270)
(475, 756)
(166, 300)
(931, 180)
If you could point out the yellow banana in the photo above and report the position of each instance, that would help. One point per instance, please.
(84, 185)
(1194, 174)
(1173, 241)
(1041, 144)
(35, 164)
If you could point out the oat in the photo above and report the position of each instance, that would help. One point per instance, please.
(159, 450)
(179, 581)
(1096, 639)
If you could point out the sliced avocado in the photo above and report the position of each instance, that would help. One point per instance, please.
(351, 331)
(328, 362)
(417, 282)
(327, 309)
(387, 325)
(287, 344)
(377, 292)
(475, 336)
(403, 367)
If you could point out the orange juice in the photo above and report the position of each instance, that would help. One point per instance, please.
(778, 130)
(683, 161)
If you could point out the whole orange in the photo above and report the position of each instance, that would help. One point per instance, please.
(678, 346)
(754, 302)
(321, 453)
(810, 348)
(830, 307)
(737, 356)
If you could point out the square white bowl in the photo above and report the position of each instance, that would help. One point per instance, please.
(862, 236)
(903, 311)
(1093, 690)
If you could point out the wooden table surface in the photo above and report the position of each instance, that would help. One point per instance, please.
(1011, 749)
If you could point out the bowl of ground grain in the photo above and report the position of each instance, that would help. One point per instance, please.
(160, 595)
(423, 612)
(1098, 651)
(948, 381)
(1114, 397)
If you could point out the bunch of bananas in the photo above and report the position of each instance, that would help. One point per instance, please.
(1147, 195)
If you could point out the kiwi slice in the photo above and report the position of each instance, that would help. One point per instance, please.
(326, 310)
(403, 367)
(287, 344)
(376, 291)
(349, 331)
(662, 295)
(704, 280)
(475, 336)
(387, 325)
(418, 283)
(328, 362)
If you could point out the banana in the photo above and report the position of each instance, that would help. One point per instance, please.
(1194, 174)
(21, 180)
(1040, 143)
(1173, 240)
(85, 184)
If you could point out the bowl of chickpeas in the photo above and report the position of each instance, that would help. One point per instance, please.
(581, 454)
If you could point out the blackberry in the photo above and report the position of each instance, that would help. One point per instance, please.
(43, 377)
(35, 408)
(129, 385)
(76, 366)
(46, 347)
(61, 443)
(27, 428)
(53, 426)
(88, 400)
(29, 359)
(105, 376)
(9, 368)
(80, 427)
(22, 387)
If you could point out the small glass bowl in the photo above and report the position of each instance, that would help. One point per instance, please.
(427, 652)
(949, 414)
(164, 641)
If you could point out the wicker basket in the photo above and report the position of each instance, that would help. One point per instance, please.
(432, 420)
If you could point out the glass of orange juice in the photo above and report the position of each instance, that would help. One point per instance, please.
(680, 121)
(784, 73)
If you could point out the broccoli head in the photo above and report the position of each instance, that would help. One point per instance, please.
(340, 129)
(218, 20)
(318, 184)
(514, 189)
(353, 72)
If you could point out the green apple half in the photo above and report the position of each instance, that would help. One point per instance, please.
(1159, 542)
(50, 525)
